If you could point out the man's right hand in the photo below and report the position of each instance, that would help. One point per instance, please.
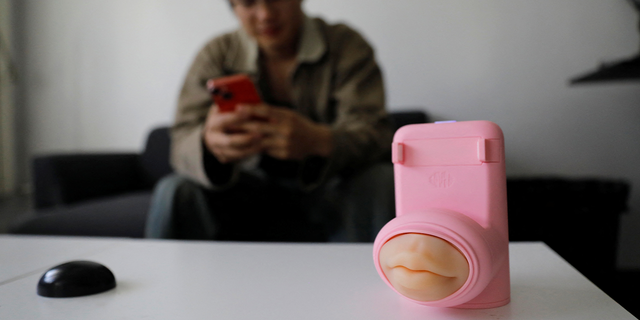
(224, 138)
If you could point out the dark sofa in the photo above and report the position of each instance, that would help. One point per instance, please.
(109, 194)
(96, 194)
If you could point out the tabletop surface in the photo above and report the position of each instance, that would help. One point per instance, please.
(162, 279)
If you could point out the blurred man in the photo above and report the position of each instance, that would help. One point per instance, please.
(306, 170)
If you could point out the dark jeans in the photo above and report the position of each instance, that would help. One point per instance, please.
(259, 209)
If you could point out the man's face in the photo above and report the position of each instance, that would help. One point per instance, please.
(275, 24)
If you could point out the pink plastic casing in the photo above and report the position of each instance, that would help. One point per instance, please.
(450, 183)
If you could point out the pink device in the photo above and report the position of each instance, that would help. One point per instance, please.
(449, 244)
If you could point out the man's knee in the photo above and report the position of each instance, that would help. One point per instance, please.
(172, 197)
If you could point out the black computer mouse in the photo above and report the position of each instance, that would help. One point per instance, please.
(75, 279)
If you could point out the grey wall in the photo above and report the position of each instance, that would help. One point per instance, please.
(98, 75)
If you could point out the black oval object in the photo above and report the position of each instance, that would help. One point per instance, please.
(75, 279)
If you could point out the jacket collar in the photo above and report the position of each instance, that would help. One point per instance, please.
(311, 47)
(312, 44)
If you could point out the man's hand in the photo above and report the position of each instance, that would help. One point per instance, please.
(225, 138)
(286, 134)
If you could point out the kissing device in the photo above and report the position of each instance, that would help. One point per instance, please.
(448, 245)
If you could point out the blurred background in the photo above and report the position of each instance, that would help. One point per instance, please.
(90, 75)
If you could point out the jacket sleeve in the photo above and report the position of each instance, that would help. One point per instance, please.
(361, 130)
(189, 156)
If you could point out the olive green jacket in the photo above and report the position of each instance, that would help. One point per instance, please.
(336, 82)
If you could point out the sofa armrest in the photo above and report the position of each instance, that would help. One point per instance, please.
(69, 178)
(578, 218)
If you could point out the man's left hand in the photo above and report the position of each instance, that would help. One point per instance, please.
(287, 135)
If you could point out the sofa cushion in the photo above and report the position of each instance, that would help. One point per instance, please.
(123, 216)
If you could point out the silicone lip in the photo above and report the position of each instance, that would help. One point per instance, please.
(447, 235)
(410, 223)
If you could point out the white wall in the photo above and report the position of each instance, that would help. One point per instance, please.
(99, 74)
(7, 130)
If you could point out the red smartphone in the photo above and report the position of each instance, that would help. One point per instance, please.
(228, 92)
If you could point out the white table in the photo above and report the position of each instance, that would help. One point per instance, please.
(218, 280)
